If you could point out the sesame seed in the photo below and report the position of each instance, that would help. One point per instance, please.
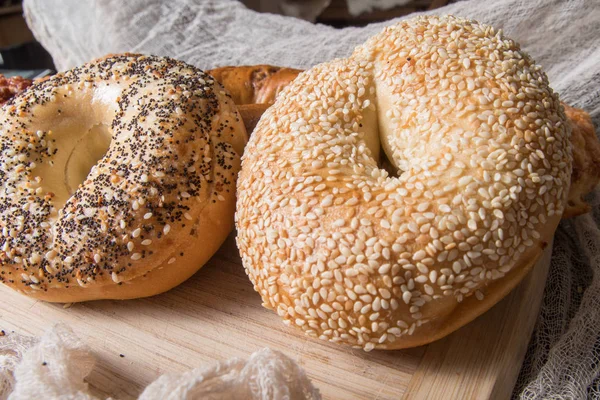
(350, 234)
(419, 255)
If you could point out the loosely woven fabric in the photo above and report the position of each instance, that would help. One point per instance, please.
(563, 359)
(51, 367)
(55, 365)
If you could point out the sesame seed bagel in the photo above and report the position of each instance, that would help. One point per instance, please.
(351, 254)
(118, 179)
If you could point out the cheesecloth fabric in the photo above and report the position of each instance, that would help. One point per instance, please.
(563, 359)
(55, 365)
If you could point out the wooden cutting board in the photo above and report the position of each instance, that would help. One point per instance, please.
(216, 315)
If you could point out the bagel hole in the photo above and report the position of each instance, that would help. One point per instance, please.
(385, 164)
(90, 148)
(73, 161)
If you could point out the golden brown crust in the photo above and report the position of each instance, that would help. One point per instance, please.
(154, 207)
(254, 84)
(345, 252)
(250, 85)
(251, 114)
(471, 306)
(263, 82)
(216, 219)
(586, 161)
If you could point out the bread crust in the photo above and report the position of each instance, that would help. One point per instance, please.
(262, 83)
(152, 210)
(586, 161)
(255, 87)
(347, 253)
(254, 84)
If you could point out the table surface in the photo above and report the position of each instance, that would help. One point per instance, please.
(216, 315)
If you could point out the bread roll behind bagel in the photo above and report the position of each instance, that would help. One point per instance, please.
(254, 84)
(253, 87)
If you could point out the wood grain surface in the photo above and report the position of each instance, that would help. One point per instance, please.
(482, 360)
(216, 315)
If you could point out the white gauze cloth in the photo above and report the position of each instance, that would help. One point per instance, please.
(54, 367)
(563, 359)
